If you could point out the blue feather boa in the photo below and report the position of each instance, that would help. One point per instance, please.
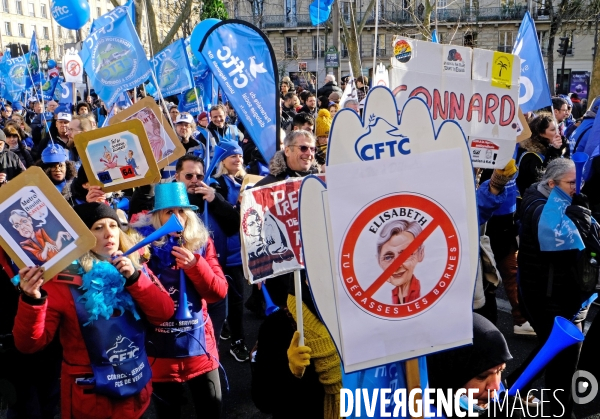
(104, 288)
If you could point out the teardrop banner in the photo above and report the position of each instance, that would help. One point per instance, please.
(243, 62)
(392, 250)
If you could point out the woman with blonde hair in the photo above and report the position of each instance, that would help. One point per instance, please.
(96, 305)
(183, 349)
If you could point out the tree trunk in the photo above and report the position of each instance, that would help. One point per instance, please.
(352, 35)
(550, 54)
(595, 79)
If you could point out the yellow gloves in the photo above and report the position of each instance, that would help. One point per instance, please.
(298, 356)
(509, 170)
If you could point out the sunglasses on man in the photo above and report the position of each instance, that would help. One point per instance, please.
(190, 176)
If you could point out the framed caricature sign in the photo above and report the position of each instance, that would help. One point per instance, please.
(118, 157)
(164, 142)
(33, 224)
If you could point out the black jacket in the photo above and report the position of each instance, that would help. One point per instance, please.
(328, 88)
(10, 163)
(562, 296)
(532, 158)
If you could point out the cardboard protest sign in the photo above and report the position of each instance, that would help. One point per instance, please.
(477, 88)
(394, 251)
(33, 224)
(118, 157)
(166, 146)
(269, 231)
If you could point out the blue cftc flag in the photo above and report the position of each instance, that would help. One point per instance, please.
(34, 76)
(14, 71)
(114, 59)
(534, 93)
(243, 62)
(47, 90)
(172, 69)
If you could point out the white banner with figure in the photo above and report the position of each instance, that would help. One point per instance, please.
(392, 257)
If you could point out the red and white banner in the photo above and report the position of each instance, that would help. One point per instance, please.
(270, 233)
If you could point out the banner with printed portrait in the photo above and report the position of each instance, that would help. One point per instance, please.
(390, 242)
(270, 232)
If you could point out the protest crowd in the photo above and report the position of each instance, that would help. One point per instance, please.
(124, 326)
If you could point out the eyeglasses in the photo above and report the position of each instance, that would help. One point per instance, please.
(190, 176)
(305, 148)
(572, 184)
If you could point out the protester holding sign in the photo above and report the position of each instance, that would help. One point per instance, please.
(105, 371)
(555, 222)
(230, 175)
(184, 350)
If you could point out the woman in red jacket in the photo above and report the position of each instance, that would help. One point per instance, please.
(183, 349)
(105, 370)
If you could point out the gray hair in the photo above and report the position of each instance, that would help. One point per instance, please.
(290, 139)
(330, 77)
(350, 101)
(395, 228)
(19, 213)
(557, 169)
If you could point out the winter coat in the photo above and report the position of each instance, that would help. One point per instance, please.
(11, 164)
(563, 296)
(38, 320)
(532, 158)
(329, 88)
(279, 170)
(231, 255)
(582, 133)
(24, 155)
(210, 283)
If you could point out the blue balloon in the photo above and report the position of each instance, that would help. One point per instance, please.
(198, 35)
(51, 64)
(71, 14)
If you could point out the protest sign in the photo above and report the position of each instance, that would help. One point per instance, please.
(166, 146)
(270, 233)
(38, 227)
(118, 157)
(72, 66)
(477, 88)
(395, 250)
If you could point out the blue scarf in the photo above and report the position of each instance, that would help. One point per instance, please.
(104, 288)
(556, 232)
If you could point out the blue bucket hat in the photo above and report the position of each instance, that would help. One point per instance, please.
(171, 195)
(231, 148)
(17, 106)
(54, 153)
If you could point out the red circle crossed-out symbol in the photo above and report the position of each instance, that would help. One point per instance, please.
(73, 68)
(363, 297)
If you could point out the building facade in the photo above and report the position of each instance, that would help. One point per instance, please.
(492, 25)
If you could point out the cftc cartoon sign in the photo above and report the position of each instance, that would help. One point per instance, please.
(477, 88)
(394, 251)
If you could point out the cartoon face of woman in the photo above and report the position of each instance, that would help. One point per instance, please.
(24, 225)
(107, 155)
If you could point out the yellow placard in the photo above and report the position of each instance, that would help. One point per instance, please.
(502, 68)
